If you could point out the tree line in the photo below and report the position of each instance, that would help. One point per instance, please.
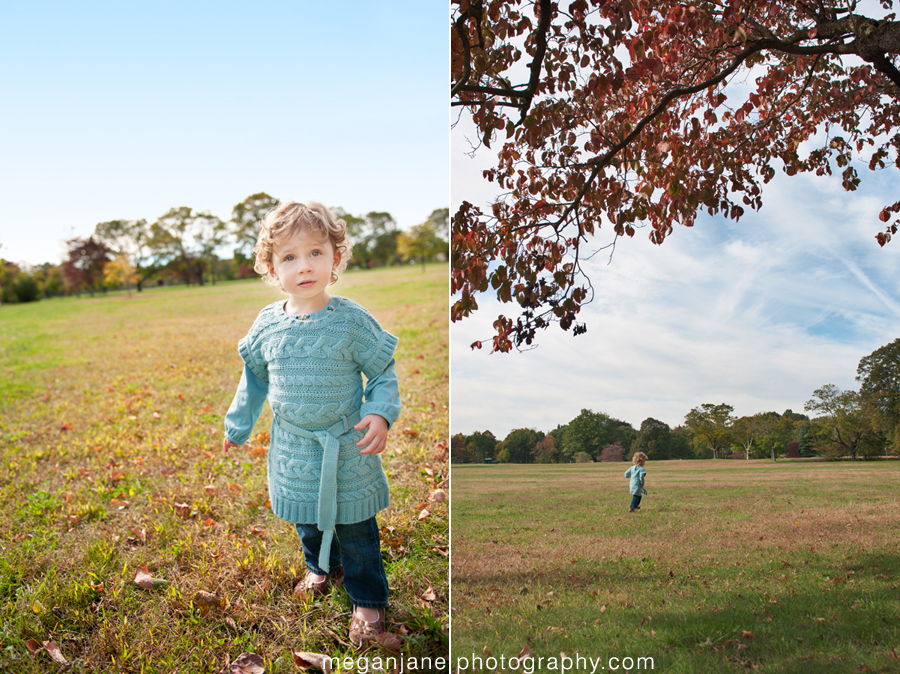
(857, 424)
(183, 246)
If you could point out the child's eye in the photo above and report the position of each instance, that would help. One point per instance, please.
(288, 258)
(315, 253)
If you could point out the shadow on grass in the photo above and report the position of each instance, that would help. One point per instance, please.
(800, 618)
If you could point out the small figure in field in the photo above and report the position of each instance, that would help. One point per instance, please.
(637, 473)
(307, 355)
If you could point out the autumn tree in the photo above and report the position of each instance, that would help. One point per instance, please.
(545, 450)
(131, 238)
(712, 424)
(621, 115)
(119, 272)
(613, 452)
(84, 262)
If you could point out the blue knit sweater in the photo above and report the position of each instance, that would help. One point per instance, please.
(310, 369)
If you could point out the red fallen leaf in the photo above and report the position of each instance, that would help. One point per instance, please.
(140, 533)
(207, 408)
(143, 579)
(66, 427)
(46, 398)
(33, 646)
(209, 522)
(97, 588)
(306, 660)
(416, 370)
(259, 451)
(421, 356)
(257, 531)
(525, 652)
(54, 652)
(411, 432)
(235, 487)
(182, 509)
(248, 663)
(747, 635)
(209, 455)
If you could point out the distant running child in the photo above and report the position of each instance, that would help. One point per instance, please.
(637, 473)
(307, 356)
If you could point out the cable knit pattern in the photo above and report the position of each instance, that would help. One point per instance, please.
(313, 366)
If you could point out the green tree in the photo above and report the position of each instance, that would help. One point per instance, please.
(187, 242)
(655, 440)
(879, 377)
(482, 445)
(245, 219)
(425, 242)
(845, 420)
(518, 446)
(712, 424)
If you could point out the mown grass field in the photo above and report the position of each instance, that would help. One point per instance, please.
(729, 566)
(111, 459)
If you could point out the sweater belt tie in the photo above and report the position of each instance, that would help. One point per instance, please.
(327, 509)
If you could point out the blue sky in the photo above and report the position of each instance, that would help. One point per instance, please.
(757, 314)
(123, 110)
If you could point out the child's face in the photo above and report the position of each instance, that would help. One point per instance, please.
(302, 263)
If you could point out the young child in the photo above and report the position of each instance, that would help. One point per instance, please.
(637, 474)
(307, 355)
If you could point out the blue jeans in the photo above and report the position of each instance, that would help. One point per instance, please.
(356, 547)
(635, 501)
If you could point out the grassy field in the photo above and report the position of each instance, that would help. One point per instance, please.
(111, 415)
(729, 566)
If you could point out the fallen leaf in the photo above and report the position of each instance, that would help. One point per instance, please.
(429, 594)
(33, 646)
(37, 606)
(140, 533)
(235, 487)
(257, 531)
(259, 451)
(248, 663)
(423, 514)
(146, 581)
(306, 660)
(525, 652)
(210, 489)
(230, 622)
(389, 641)
(209, 522)
(747, 635)
(207, 600)
(97, 588)
(66, 427)
(54, 652)
(182, 509)
(438, 496)
(411, 433)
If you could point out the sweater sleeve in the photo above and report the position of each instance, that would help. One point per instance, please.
(382, 395)
(246, 407)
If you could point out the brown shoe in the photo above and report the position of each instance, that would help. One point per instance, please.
(361, 631)
(309, 588)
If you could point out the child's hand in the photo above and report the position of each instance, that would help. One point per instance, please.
(376, 435)
(228, 444)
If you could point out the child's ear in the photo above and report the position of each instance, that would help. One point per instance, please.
(337, 259)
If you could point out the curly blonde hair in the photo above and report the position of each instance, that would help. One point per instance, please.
(639, 459)
(292, 218)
